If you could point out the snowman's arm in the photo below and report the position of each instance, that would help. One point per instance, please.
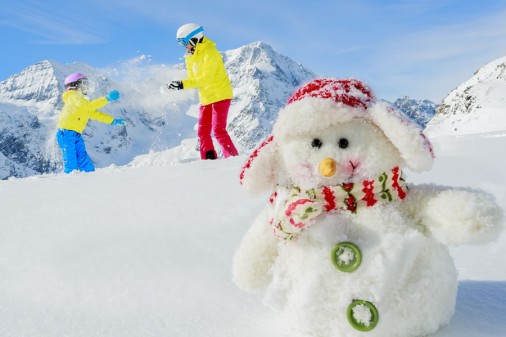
(454, 215)
(256, 254)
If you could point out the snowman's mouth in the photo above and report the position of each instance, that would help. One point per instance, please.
(352, 168)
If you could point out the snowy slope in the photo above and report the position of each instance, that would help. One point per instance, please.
(146, 250)
(475, 106)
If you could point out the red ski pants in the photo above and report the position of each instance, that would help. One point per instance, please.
(213, 117)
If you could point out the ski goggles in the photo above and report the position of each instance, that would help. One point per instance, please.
(80, 83)
(83, 82)
(184, 40)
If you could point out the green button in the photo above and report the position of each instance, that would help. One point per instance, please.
(362, 315)
(346, 257)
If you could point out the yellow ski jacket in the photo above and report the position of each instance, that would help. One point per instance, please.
(206, 72)
(77, 110)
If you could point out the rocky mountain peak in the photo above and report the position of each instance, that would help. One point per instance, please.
(35, 86)
(475, 106)
(420, 111)
(263, 80)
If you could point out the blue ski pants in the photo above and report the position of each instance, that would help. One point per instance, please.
(74, 152)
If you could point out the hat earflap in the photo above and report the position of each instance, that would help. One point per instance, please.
(260, 172)
(405, 134)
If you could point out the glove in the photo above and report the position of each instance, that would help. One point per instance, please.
(113, 96)
(118, 122)
(175, 85)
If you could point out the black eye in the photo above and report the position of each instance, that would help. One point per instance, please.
(343, 143)
(316, 143)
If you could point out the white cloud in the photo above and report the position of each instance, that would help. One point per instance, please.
(63, 25)
(444, 42)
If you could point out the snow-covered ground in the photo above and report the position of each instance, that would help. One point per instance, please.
(146, 249)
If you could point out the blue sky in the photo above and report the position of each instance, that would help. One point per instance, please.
(419, 48)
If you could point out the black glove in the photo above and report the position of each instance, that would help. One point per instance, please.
(175, 85)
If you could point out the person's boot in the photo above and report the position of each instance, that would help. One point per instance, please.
(211, 154)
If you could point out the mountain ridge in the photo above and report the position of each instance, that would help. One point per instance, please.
(475, 106)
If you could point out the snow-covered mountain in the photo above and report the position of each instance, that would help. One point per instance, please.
(22, 153)
(420, 111)
(475, 106)
(157, 119)
(262, 80)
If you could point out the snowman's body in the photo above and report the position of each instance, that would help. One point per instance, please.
(409, 278)
(343, 249)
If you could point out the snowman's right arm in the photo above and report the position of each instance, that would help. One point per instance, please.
(256, 254)
(454, 215)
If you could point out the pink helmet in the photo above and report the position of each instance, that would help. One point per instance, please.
(73, 80)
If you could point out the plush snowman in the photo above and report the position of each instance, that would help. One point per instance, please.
(346, 247)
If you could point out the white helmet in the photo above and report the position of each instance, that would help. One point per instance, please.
(189, 33)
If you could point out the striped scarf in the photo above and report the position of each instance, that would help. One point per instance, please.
(298, 208)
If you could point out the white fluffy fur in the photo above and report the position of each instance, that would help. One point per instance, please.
(258, 242)
(263, 171)
(414, 148)
(312, 114)
(407, 271)
(456, 216)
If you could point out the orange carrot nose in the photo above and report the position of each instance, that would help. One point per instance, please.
(327, 167)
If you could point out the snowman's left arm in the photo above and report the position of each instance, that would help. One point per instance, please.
(253, 260)
(454, 215)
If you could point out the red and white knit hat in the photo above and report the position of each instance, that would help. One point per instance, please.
(323, 103)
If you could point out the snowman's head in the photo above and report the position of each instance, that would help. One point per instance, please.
(334, 131)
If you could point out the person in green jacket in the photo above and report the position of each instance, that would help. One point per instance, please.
(206, 72)
(76, 112)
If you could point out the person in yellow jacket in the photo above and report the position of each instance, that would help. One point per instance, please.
(76, 112)
(206, 72)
